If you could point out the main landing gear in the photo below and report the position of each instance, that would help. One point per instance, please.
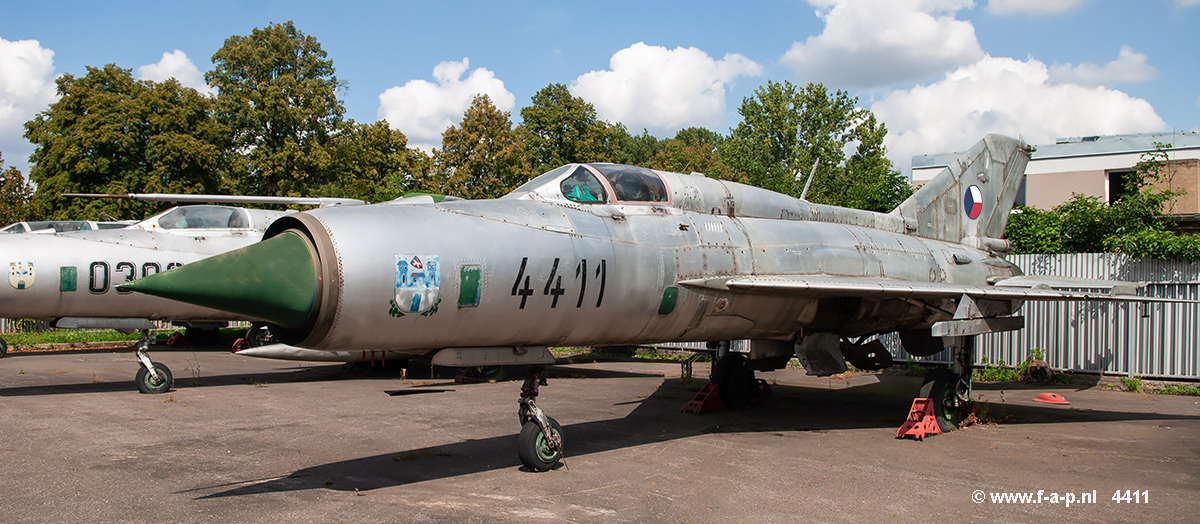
(540, 444)
(3, 348)
(950, 389)
(152, 377)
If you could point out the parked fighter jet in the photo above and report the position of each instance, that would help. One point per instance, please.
(604, 254)
(69, 277)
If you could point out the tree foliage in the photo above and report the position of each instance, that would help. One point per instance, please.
(694, 149)
(15, 193)
(373, 162)
(278, 98)
(560, 128)
(482, 157)
(1131, 225)
(786, 129)
(109, 133)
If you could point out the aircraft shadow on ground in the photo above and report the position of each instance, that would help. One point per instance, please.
(316, 373)
(655, 419)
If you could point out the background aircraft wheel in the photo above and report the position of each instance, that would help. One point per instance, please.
(146, 382)
(939, 386)
(3, 348)
(258, 335)
(737, 383)
(532, 448)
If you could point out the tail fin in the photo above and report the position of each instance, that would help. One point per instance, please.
(969, 201)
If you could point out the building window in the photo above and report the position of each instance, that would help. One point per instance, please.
(1116, 184)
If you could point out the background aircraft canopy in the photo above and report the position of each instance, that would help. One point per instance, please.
(61, 226)
(209, 217)
(204, 217)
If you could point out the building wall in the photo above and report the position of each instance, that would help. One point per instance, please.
(1184, 175)
(1046, 190)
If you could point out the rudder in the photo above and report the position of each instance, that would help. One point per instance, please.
(969, 201)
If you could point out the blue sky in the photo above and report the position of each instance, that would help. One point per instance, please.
(938, 73)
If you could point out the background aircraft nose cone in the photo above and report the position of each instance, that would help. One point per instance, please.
(274, 280)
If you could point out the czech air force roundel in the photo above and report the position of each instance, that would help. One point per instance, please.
(973, 202)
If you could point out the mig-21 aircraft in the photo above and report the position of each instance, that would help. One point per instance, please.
(605, 254)
(69, 277)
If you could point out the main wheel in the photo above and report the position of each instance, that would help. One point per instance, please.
(146, 382)
(534, 448)
(258, 335)
(3, 348)
(939, 386)
(737, 383)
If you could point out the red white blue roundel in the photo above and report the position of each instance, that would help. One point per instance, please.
(973, 202)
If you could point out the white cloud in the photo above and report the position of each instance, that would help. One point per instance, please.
(422, 110)
(1128, 67)
(877, 43)
(1187, 3)
(1036, 7)
(26, 88)
(1008, 96)
(177, 65)
(663, 90)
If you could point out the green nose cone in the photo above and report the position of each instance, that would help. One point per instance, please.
(274, 280)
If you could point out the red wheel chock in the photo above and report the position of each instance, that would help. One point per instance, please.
(240, 344)
(178, 340)
(1051, 398)
(921, 421)
(707, 399)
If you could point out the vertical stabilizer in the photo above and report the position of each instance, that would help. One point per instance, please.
(969, 201)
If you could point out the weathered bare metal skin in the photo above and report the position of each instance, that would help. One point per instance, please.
(741, 262)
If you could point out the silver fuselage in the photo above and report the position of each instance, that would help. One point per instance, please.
(554, 272)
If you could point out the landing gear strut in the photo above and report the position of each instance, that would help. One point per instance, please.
(950, 389)
(737, 384)
(540, 444)
(152, 377)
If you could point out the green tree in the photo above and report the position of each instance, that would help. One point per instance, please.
(559, 128)
(482, 157)
(374, 163)
(1131, 225)
(109, 133)
(14, 195)
(786, 129)
(634, 150)
(693, 149)
(278, 97)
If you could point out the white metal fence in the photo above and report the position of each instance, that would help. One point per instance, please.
(1152, 340)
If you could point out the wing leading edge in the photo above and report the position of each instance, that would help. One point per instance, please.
(1016, 288)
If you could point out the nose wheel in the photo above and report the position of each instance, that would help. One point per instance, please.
(152, 377)
(540, 443)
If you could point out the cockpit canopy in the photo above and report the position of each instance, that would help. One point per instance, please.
(598, 184)
(201, 217)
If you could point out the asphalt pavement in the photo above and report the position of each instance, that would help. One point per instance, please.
(240, 439)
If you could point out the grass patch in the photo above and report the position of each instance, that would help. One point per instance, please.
(38, 336)
(1133, 384)
(914, 369)
(68, 336)
(1179, 389)
(998, 372)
